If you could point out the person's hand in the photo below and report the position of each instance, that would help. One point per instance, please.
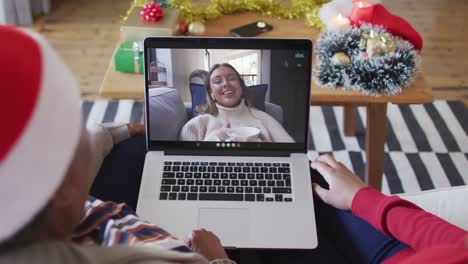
(221, 133)
(207, 244)
(136, 129)
(342, 182)
(245, 139)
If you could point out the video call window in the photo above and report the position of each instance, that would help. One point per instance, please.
(219, 95)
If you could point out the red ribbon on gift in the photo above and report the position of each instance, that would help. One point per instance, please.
(151, 12)
(364, 12)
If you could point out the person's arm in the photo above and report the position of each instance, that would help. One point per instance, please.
(204, 128)
(276, 130)
(194, 129)
(405, 221)
(219, 134)
(390, 214)
(105, 136)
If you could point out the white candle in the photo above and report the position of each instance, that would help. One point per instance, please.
(362, 4)
(338, 23)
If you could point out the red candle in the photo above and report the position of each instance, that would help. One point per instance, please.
(362, 11)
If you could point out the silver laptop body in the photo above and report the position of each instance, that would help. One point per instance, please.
(267, 197)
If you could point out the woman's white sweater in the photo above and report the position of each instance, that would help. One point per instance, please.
(206, 127)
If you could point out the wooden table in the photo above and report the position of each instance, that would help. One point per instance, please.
(131, 86)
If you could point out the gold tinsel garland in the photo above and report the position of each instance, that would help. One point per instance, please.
(307, 9)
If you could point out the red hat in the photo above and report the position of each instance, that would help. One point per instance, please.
(41, 127)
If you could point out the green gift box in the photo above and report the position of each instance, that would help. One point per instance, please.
(129, 57)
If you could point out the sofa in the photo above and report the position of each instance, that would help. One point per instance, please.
(448, 203)
(172, 113)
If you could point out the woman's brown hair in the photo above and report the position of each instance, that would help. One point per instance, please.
(210, 106)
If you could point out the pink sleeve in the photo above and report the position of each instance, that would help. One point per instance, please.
(405, 221)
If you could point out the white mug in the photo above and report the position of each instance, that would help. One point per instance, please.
(249, 133)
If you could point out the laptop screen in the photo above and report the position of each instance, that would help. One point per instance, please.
(228, 94)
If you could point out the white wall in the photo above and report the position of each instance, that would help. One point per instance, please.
(164, 57)
(184, 62)
(22, 11)
(219, 56)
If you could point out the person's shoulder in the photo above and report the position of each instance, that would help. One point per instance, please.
(261, 114)
(254, 110)
(49, 252)
(197, 126)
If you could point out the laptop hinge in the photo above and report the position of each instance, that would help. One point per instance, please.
(246, 153)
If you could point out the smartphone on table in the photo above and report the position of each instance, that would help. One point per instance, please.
(252, 29)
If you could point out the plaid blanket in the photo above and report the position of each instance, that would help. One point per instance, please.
(108, 224)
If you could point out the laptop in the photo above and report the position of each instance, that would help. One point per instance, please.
(249, 180)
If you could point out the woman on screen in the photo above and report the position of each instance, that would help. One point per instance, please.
(229, 114)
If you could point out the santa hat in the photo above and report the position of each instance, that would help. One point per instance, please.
(41, 126)
(379, 15)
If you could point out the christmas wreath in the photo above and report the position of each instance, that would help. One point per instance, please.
(367, 59)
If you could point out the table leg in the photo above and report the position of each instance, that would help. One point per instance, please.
(349, 120)
(375, 142)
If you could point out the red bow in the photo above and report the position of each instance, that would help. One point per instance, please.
(151, 12)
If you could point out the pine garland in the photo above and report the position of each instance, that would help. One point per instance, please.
(373, 76)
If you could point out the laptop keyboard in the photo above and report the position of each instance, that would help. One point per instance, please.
(226, 181)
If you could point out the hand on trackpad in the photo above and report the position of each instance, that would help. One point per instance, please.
(230, 225)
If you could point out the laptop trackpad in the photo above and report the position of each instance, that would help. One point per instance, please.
(231, 224)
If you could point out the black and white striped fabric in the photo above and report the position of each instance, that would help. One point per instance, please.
(426, 145)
